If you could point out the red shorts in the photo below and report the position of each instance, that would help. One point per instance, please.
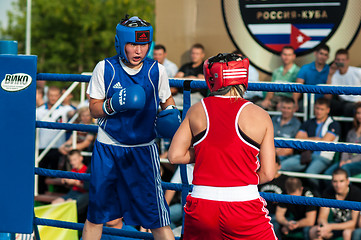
(208, 219)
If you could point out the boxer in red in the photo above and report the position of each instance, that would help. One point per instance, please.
(225, 135)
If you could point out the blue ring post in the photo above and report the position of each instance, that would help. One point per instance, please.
(17, 144)
(8, 47)
(183, 167)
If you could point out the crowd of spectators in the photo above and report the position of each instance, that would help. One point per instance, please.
(288, 220)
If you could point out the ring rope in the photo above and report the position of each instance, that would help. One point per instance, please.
(63, 77)
(67, 126)
(320, 176)
(318, 145)
(321, 202)
(269, 87)
(282, 87)
(281, 143)
(86, 177)
(303, 88)
(313, 201)
(79, 226)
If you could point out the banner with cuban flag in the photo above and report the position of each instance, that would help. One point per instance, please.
(261, 28)
(300, 36)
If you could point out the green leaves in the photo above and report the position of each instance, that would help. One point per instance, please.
(71, 36)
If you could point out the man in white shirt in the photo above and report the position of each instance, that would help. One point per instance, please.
(341, 73)
(60, 114)
(160, 54)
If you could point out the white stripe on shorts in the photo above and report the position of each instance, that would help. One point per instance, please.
(162, 210)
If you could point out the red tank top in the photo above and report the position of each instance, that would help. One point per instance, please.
(225, 156)
(82, 170)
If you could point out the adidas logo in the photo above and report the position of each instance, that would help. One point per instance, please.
(142, 36)
(117, 85)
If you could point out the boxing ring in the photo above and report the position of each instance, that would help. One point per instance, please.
(30, 223)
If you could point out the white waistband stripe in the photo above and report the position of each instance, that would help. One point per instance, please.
(105, 138)
(226, 194)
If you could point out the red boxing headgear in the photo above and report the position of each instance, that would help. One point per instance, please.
(224, 70)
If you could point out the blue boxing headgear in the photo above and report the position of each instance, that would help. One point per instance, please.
(132, 30)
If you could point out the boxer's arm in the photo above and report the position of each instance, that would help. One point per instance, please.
(168, 102)
(267, 153)
(96, 108)
(180, 150)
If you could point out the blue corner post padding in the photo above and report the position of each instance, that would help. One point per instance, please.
(17, 142)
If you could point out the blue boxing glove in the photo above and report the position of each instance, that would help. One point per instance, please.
(168, 122)
(130, 98)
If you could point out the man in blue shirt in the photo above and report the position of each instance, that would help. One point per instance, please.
(286, 125)
(320, 128)
(315, 72)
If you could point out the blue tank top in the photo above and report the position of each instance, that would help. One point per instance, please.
(133, 126)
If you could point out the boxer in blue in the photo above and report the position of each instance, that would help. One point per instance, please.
(125, 93)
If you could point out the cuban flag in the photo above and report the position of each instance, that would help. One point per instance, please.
(301, 37)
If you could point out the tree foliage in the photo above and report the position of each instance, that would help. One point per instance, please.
(71, 36)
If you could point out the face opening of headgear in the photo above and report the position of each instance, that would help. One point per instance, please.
(226, 69)
(132, 30)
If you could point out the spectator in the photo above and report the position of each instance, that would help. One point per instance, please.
(84, 140)
(42, 84)
(72, 109)
(286, 125)
(314, 73)
(160, 54)
(194, 70)
(342, 73)
(85, 102)
(322, 127)
(303, 216)
(45, 136)
(68, 100)
(277, 185)
(287, 73)
(77, 191)
(353, 234)
(39, 96)
(342, 219)
(351, 162)
(253, 77)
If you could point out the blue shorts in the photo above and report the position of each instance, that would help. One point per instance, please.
(125, 182)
